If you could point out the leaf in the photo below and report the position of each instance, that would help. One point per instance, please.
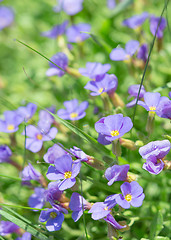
(10, 177)
(161, 238)
(18, 206)
(156, 225)
(24, 225)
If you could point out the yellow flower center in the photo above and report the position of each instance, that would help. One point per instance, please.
(152, 108)
(10, 127)
(73, 115)
(114, 133)
(128, 197)
(39, 136)
(100, 90)
(68, 174)
(106, 208)
(128, 59)
(53, 214)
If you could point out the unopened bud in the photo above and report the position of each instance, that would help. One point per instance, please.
(139, 143)
(116, 100)
(167, 164)
(127, 143)
(95, 163)
(72, 71)
(131, 177)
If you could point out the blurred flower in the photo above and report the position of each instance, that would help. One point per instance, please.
(73, 110)
(164, 108)
(11, 122)
(78, 204)
(64, 169)
(54, 219)
(120, 54)
(36, 137)
(112, 127)
(151, 101)
(106, 84)
(30, 173)
(26, 236)
(45, 119)
(136, 20)
(94, 69)
(61, 60)
(27, 112)
(56, 31)
(116, 173)
(111, 4)
(71, 7)
(6, 17)
(37, 199)
(154, 21)
(158, 149)
(7, 227)
(5, 153)
(133, 91)
(170, 94)
(132, 195)
(54, 152)
(143, 52)
(76, 34)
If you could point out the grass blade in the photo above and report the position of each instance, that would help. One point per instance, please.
(24, 225)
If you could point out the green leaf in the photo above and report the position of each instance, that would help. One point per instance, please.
(18, 206)
(24, 225)
(10, 177)
(156, 225)
(161, 238)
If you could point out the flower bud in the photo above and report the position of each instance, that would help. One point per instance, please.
(5, 153)
(127, 143)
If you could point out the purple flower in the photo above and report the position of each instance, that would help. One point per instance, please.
(53, 194)
(133, 91)
(116, 173)
(54, 219)
(159, 149)
(75, 32)
(64, 169)
(54, 152)
(111, 4)
(106, 84)
(36, 137)
(110, 219)
(27, 112)
(136, 20)
(56, 31)
(7, 227)
(5, 153)
(78, 204)
(73, 110)
(11, 122)
(30, 173)
(71, 7)
(151, 101)
(153, 165)
(132, 195)
(170, 94)
(143, 52)
(45, 120)
(6, 17)
(154, 21)
(164, 108)
(79, 154)
(61, 60)
(37, 199)
(101, 210)
(94, 69)
(112, 127)
(120, 54)
(26, 236)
